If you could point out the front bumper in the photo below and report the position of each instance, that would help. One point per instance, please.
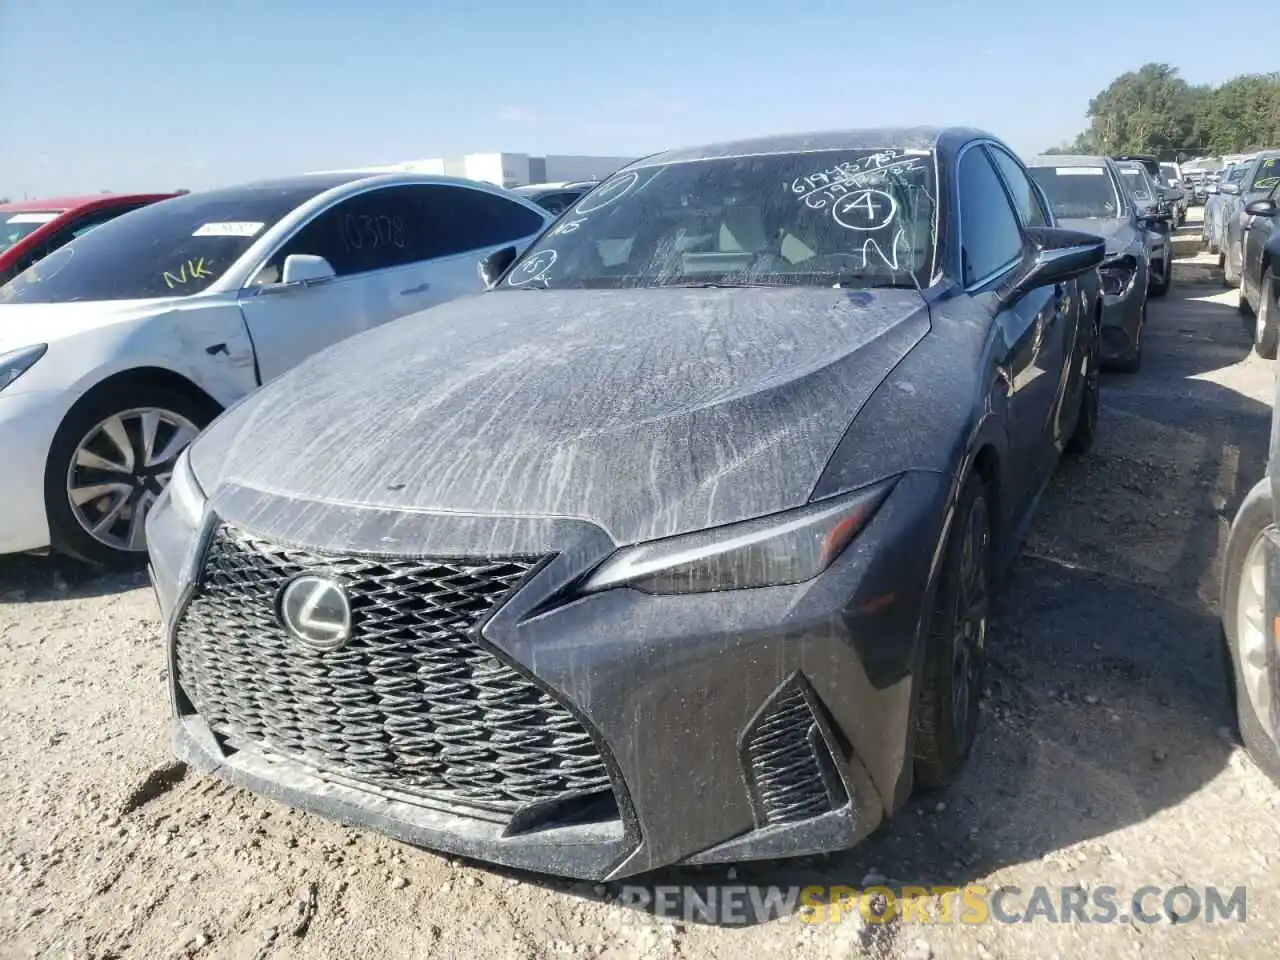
(28, 422)
(1122, 318)
(674, 691)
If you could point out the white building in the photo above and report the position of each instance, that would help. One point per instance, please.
(515, 169)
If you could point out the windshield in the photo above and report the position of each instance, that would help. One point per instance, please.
(15, 226)
(174, 248)
(1078, 192)
(1267, 175)
(848, 217)
(1236, 174)
(1136, 181)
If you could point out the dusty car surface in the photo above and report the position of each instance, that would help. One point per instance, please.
(677, 545)
(1085, 193)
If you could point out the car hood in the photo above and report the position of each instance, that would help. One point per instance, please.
(646, 412)
(1118, 233)
(24, 324)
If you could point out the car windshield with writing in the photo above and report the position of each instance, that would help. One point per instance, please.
(1267, 175)
(174, 248)
(1077, 193)
(15, 226)
(1135, 179)
(826, 218)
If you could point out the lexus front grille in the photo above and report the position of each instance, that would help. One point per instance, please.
(413, 704)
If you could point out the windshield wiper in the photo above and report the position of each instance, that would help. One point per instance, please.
(713, 284)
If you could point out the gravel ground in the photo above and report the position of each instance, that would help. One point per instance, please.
(1105, 756)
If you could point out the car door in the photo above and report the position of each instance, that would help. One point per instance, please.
(991, 245)
(376, 242)
(1061, 340)
(394, 250)
(1257, 235)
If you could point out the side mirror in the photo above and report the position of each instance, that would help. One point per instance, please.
(305, 269)
(1231, 189)
(1262, 208)
(495, 265)
(1053, 255)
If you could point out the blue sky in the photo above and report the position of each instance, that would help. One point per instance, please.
(160, 94)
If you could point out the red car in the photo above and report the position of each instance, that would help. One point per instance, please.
(33, 229)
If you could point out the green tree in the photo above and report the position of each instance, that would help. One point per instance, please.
(1153, 110)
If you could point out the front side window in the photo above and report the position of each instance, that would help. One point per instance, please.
(1025, 196)
(174, 248)
(1078, 193)
(989, 236)
(374, 230)
(823, 218)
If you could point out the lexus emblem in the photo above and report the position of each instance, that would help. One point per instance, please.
(316, 611)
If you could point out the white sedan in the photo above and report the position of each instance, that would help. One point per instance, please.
(119, 347)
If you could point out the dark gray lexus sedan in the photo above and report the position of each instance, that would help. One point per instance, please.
(1086, 193)
(676, 545)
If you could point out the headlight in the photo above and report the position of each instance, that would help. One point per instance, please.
(17, 362)
(1117, 273)
(780, 549)
(184, 490)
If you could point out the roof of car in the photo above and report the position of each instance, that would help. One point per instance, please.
(528, 188)
(874, 138)
(1067, 160)
(74, 203)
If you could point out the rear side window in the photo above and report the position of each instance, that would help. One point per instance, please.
(474, 219)
(990, 239)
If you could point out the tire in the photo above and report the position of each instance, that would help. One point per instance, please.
(1251, 523)
(1230, 278)
(1086, 431)
(1166, 279)
(1266, 335)
(955, 651)
(180, 413)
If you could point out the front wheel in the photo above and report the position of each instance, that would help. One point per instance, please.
(1247, 637)
(1266, 328)
(955, 651)
(109, 462)
(1163, 279)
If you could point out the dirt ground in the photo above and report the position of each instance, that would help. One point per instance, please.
(1105, 755)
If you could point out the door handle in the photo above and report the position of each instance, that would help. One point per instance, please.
(420, 288)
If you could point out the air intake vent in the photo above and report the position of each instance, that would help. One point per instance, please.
(789, 765)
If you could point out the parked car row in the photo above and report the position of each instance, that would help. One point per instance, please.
(718, 470)
(1117, 200)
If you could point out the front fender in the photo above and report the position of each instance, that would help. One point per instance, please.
(206, 343)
